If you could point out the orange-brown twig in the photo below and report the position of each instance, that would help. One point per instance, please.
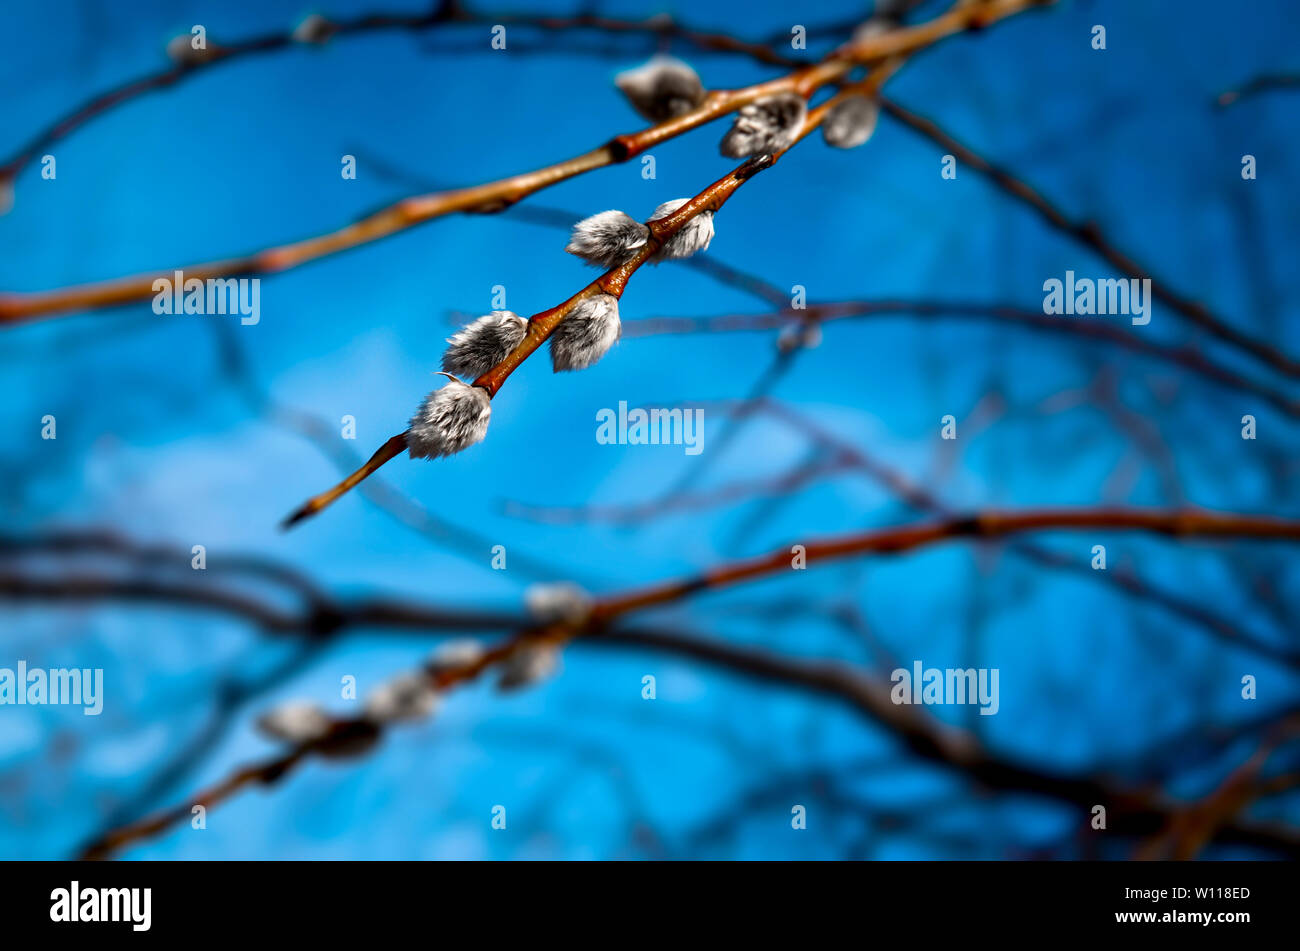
(614, 281)
(494, 196)
(394, 447)
(842, 456)
(448, 13)
(541, 325)
(1176, 523)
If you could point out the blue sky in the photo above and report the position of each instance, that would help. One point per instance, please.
(155, 441)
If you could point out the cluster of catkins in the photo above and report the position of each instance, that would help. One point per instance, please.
(665, 88)
(411, 697)
(456, 416)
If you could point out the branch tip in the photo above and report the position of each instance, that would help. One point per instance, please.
(389, 450)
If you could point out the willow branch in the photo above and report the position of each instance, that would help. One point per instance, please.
(1178, 523)
(350, 736)
(541, 325)
(613, 282)
(444, 14)
(453, 538)
(494, 196)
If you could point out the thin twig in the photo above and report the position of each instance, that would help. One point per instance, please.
(494, 196)
(456, 539)
(1267, 82)
(449, 13)
(1090, 234)
(613, 282)
(1183, 357)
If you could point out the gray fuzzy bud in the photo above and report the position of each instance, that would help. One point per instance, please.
(607, 239)
(529, 665)
(454, 655)
(800, 336)
(314, 28)
(885, 20)
(562, 601)
(481, 345)
(850, 122)
(661, 89)
(450, 419)
(694, 236)
(298, 721)
(586, 334)
(404, 698)
(768, 125)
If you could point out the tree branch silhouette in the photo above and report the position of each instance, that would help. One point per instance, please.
(819, 313)
(1089, 234)
(1264, 82)
(351, 736)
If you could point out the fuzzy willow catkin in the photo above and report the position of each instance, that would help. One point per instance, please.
(314, 28)
(850, 122)
(560, 601)
(586, 334)
(663, 88)
(768, 125)
(449, 420)
(405, 698)
(694, 236)
(607, 239)
(479, 346)
(528, 665)
(454, 655)
(297, 721)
